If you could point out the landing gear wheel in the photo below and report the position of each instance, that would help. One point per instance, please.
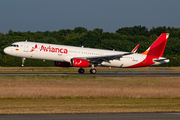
(81, 71)
(93, 71)
(23, 59)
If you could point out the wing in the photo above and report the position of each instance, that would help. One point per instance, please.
(107, 58)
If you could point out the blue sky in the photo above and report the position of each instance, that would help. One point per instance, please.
(109, 15)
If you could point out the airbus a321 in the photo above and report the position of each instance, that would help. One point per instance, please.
(69, 56)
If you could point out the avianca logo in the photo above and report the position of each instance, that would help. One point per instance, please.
(50, 49)
(33, 48)
(78, 62)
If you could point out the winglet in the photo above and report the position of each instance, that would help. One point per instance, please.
(135, 49)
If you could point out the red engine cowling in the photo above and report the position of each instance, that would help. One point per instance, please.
(62, 64)
(75, 62)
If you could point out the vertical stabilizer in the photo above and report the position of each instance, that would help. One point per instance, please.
(158, 47)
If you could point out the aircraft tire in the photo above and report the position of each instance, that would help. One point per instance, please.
(81, 71)
(93, 71)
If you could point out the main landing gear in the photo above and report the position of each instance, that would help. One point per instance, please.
(92, 70)
(81, 70)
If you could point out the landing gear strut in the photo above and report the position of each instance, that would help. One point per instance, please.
(92, 70)
(81, 70)
(23, 59)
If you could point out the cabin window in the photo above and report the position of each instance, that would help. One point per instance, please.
(13, 45)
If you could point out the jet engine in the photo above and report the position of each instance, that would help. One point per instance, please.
(75, 62)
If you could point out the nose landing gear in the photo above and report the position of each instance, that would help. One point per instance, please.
(23, 59)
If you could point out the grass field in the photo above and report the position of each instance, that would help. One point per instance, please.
(72, 94)
(79, 105)
(89, 87)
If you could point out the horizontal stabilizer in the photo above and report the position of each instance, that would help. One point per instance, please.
(159, 60)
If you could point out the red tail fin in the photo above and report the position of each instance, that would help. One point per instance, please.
(158, 47)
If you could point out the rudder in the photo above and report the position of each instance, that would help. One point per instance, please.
(158, 47)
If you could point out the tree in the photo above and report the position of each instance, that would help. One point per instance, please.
(158, 30)
(100, 31)
(80, 30)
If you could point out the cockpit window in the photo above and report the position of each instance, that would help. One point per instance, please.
(13, 45)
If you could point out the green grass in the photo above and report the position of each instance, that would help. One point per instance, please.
(79, 105)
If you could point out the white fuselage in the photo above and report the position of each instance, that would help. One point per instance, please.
(63, 53)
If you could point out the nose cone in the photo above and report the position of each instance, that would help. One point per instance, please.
(7, 50)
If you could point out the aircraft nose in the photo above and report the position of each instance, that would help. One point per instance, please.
(6, 50)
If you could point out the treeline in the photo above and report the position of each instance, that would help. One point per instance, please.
(125, 39)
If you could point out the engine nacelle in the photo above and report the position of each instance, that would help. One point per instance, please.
(75, 62)
(62, 64)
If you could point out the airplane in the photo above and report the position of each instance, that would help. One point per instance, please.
(71, 56)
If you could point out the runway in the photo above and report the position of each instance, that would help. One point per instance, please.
(104, 74)
(96, 116)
